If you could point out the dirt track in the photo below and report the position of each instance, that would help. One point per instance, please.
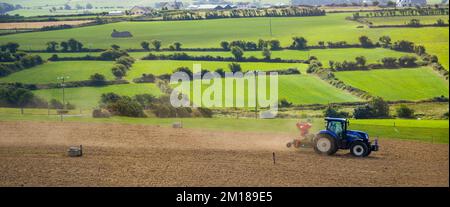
(33, 154)
(38, 25)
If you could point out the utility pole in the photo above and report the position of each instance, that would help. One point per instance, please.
(63, 79)
(270, 26)
(256, 95)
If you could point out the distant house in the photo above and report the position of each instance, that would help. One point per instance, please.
(116, 13)
(124, 34)
(409, 3)
(175, 5)
(211, 7)
(138, 10)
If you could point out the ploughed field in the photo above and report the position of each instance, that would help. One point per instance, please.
(33, 154)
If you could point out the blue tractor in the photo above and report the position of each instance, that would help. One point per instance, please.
(337, 136)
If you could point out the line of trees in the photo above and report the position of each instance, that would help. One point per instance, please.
(420, 11)
(71, 45)
(238, 13)
(135, 106)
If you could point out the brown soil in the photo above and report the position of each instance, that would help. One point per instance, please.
(34, 154)
(38, 25)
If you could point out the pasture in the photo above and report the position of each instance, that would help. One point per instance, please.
(332, 27)
(48, 72)
(402, 20)
(89, 97)
(158, 67)
(298, 89)
(397, 84)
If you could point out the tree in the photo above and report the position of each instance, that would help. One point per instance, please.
(156, 44)
(225, 45)
(381, 107)
(22, 97)
(65, 46)
(365, 41)
(420, 50)
(376, 108)
(332, 112)
(51, 46)
(97, 79)
(12, 47)
(177, 46)
(299, 43)
(67, 7)
(119, 71)
(375, 3)
(275, 44)
(284, 103)
(407, 61)
(89, 6)
(404, 112)
(235, 67)
(115, 47)
(414, 22)
(74, 45)
(262, 43)
(385, 41)
(361, 61)
(266, 53)
(237, 52)
(145, 45)
(389, 62)
(126, 61)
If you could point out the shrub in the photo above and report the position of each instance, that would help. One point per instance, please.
(125, 106)
(100, 113)
(205, 112)
(376, 108)
(98, 79)
(405, 112)
(332, 112)
(112, 54)
(284, 103)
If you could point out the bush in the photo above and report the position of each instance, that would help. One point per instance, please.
(284, 103)
(98, 79)
(205, 112)
(376, 108)
(55, 104)
(112, 54)
(125, 106)
(332, 112)
(145, 78)
(405, 112)
(100, 113)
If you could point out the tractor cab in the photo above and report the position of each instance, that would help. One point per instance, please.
(337, 126)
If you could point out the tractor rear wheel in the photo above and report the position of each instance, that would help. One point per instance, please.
(324, 144)
(359, 149)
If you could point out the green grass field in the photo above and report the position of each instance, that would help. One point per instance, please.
(48, 72)
(406, 20)
(324, 55)
(88, 97)
(298, 89)
(421, 130)
(398, 84)
(158, 67)
(332, 27)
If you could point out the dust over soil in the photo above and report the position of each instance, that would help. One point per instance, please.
(34, 154)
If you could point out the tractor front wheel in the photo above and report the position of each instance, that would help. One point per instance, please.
(325, 145)
(359, 149)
